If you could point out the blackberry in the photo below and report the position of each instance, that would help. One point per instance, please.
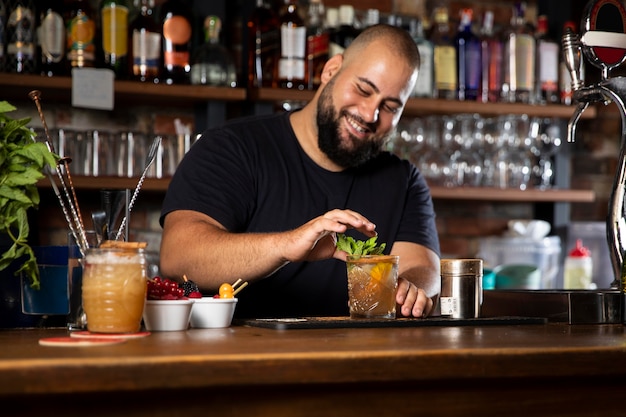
(188, 286)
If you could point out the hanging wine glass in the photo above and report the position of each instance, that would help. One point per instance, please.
(434, 162)
(466, 164)
(546, 144)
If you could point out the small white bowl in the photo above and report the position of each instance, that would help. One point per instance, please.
(167, 315)
(212, 313)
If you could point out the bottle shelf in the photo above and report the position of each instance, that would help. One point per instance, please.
(17, 86)
(425, 106)
(552, 195)
(438, 193)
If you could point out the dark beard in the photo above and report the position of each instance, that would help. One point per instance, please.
(329, 140)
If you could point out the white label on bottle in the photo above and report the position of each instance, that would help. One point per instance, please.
(449, 306)
(291, 69)
(524, 63)
(146, 48)
(548, 64)
(293, 41)
(424, 84)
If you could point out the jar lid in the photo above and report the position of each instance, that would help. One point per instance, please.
(461, 266)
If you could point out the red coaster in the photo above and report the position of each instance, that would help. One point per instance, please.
(86, 334)
(72, 341)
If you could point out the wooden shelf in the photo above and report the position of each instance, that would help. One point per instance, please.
(512, 195)
(17, 86)
(424, 106)
(438, 193)
(99, 183)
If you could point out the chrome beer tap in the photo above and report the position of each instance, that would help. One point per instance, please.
(603, 43)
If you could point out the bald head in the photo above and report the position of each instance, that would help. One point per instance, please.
(395, 39)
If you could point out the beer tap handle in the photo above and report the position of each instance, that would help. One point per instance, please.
(572, 55)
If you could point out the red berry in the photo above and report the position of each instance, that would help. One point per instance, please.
(195, 294)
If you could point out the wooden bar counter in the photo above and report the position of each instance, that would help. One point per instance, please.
(495, 370)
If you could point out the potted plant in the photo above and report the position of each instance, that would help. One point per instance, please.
(22, 164)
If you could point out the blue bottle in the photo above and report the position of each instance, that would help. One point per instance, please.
(468, 54)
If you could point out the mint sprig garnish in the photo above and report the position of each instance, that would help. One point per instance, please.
(357, 247)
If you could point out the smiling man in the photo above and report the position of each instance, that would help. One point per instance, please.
(262, 198)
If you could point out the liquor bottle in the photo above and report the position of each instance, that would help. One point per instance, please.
(492, 51)
(114, 36)
(51, 36)
(3, 19)
(292, 62)
(468, 51)
(176, 26)
(519, 51)
(331, 23)
(341, 38)
(424, 84)
(317, 42)
(444, 57)
(547, 64)
(211, 63)
(144, 44)
(20, 37)
(80, 24)
(263, 45)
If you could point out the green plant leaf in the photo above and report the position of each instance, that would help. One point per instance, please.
(359, 247)
(22, 163)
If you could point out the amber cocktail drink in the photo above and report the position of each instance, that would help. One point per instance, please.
(114, 289)
(372, 284)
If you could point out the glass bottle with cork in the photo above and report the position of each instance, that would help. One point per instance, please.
(211, 63)
(176, 25)
(114, 36)
(145, 44)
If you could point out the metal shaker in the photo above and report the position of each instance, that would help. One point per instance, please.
(461, 288)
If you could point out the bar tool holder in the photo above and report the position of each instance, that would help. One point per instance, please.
(603, 43)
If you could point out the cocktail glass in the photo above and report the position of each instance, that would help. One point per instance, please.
(372, 284)
(114, 289)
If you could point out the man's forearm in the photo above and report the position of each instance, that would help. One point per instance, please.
(210, 256)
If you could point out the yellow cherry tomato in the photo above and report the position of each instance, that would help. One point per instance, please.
(226, 291)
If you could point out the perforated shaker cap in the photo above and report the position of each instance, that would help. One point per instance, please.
(462, 267)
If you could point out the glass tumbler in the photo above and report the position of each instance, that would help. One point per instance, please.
(114, 289)
(372, 284)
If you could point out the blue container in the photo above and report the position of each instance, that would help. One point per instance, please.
(52, 297)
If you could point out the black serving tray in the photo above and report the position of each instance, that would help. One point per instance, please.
(347, 322)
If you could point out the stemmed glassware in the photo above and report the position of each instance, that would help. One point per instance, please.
(469, 150)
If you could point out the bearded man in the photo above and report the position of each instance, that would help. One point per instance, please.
(262, 198)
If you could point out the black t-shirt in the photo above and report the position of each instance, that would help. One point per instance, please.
(251, 175)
